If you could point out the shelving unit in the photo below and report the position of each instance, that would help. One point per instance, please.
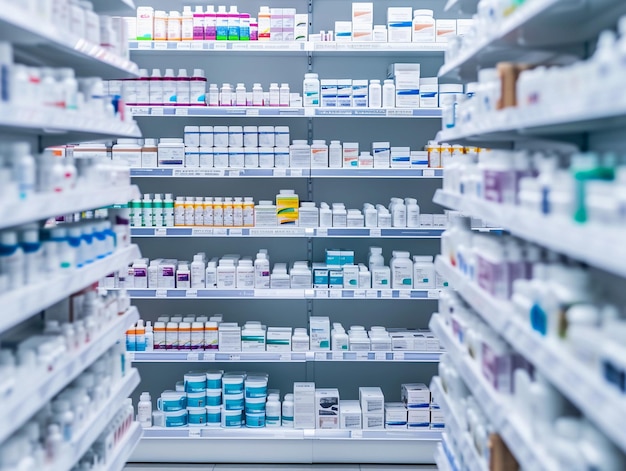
(286, 112)
(285, 445)
(45, 44)
(513, 429)
(28, 397)
(358, 232)
(118, 7)
(539, 31)
(549, 356)
(89, 433)
(292, 357)
(582, 242)
(389, 294)
(285, 173)
(125, 448)
(24, 302)
(58, 127)
(37, 379)
(46, 205)
(267, 62)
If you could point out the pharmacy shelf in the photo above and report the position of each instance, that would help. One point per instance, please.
(584, 242)
(60, 127)
(45, 44)
(500, 410)
(45, 205)
(441, 460)
(125, 448)
(521, 129)
(286, 173)
(289, 47)
(322, 232)
(280, 112)
(117, 7)
(537, 32)
(471, 458)
(461, 6)
(84, 437)
(289, 357)
(388, 294)
(31, 393)
(22, 303)
(284, 445)
(549, 357)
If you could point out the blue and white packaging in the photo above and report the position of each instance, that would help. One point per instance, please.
(419, 159)
(399, 24)
(400, 157)
(416, 396)
(343, 31)
(360, 90)
(329, 93)
(429, 92)
(382, 154)
(344, 93)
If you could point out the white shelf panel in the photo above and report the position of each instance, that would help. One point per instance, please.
(441, 460)
(388, 294)
(537, 32)
(117, 7)
(284, 445)
(286, 173)
(61, 127)
(584, 242)
(125, 448)
(30, 394)
(46, 205)
(45, 44)
(358, 232)
(287, 48)
(24, 302)
(512, 126)
(284, 112)
(498, 408)
(471, 459)
(289, 357)
(91, 430)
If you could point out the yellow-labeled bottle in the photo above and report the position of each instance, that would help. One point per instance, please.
(237, 212)
(248, 212)
(287, 205)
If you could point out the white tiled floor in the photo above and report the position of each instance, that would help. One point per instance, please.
(275, 467)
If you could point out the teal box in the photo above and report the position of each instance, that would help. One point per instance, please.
(335, 278)
(333, 257)
(320, 276)
(347, 257)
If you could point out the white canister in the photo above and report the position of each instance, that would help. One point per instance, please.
(231, 418)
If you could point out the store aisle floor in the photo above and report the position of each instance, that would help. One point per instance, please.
(276, 467)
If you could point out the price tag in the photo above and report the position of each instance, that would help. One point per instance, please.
(194, 432)
(386, 293)
(197, 45)
(433, 294)
(236, 232)
(337, 356)
(400, 112)
(362, 356)
(320, 356)
(359, 293)
(160, 232)
(322, 293)
(140, 111)
(144, 45)
(252, 112)
(185, 46)
(309, 112)
(371, 293)
(429, 172)
(398, 356)
(160, 45)
(157, 111)
(192, 293)
(235, 357)
(220, 231)
(161, 293)
(239, 46)
(405, 293)
(201, 232)
(193, 357)
(356, 434)
(309, 293)
(375, 233)
(380, 356)
(130, 356)
(335, 293)
(296, 172)
(220, 46)
(181, 112)
(209, 356)
(235, 173)
(322, 232)
(280, 172)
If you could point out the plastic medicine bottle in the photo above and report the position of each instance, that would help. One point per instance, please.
(311, 90)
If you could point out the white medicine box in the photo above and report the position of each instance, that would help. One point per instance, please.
(418, 418)
(372, 400)
(327, 409)
(363, 13)
(416, 395)
(395, 415)
(350, 415)
(445, 29)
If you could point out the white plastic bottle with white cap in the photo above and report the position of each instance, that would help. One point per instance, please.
(24, 169)
(261, 271)
(376, 258)
(412, 213)
(144, 410)
(169, 84)
(156, 88)
(198, 272)
(182, 88)
(11, 259)
(389, 94)
(197, 88)
(311, 90)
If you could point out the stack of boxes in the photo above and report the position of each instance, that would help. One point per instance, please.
(372, 403)
(407, 81)
(399, 24)
(416, 399)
